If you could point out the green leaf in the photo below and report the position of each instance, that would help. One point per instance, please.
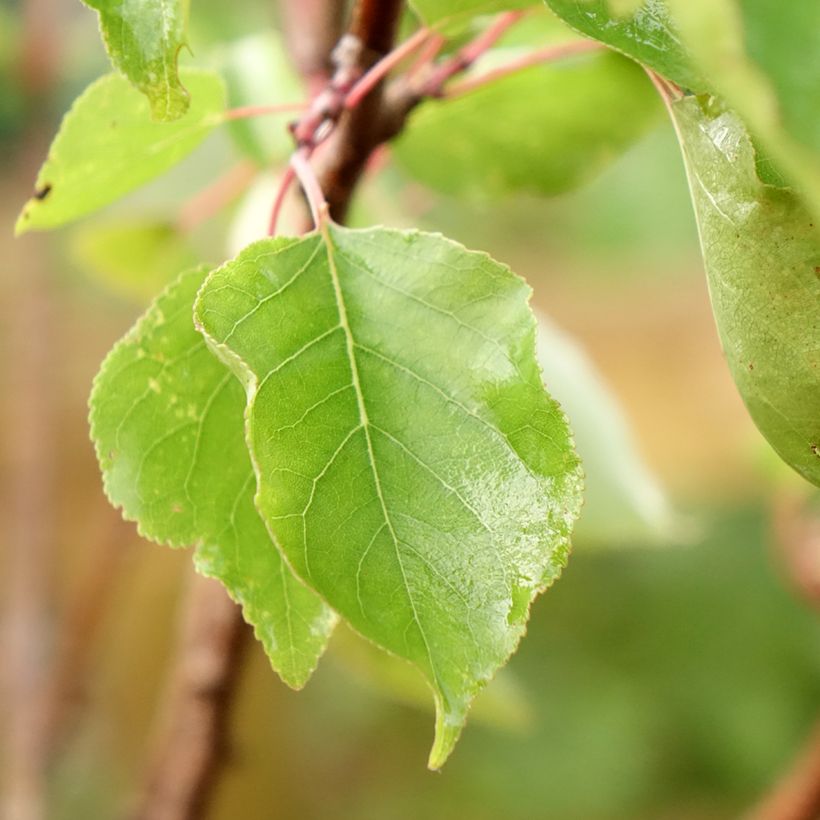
(624, 504)
(762, 260)
(166, 419)
(410, 464)
(764, 59)
(107, 146)
(143, 38)
(650, 35)
(135, 257)
(552, 127)
(442, 13)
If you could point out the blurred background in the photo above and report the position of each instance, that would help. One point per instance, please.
(674, 670)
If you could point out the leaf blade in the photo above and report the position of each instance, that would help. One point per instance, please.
(107, 147)
(143, 40)
(762, 256)
(345, 432)
(166, 420)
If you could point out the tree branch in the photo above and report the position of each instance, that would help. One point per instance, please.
(191, 744)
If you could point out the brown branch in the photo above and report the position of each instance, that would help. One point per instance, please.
(797, 795)
(312, 28)
(191, 743)
(360, 131)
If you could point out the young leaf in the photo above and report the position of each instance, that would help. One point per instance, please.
(107, 146)
(762, 260)
(166, 420)
(649, 35)
(410, 464)
(143, 38)
(552, 127)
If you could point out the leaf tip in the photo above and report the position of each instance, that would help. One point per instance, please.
(448, 731)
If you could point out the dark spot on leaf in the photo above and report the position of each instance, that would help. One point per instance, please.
(816, 450)
(817, 271)
(751, 366)
(42, 193)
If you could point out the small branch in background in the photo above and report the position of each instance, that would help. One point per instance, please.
(797, 795)
(312, 29)
(796, 532)
(288, 176)
(538, 57)
(191, 745)
(261, 110)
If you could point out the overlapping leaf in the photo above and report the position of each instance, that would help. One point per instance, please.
(143, 38)
(762, 259)
(551, 127)
(166, 419)
(410, 464)
(108, 146)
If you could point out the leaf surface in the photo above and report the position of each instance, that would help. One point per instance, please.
(762, 261)
(107, 146)
(166, 419)
(143, 38)
(553, 127)
(410, 464)
(649, 34)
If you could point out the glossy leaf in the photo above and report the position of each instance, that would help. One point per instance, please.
(410, 464)
(650, 35)
(552, 127)
(764, 59)
(143, 38)
(107, 146)
(166, 419)
(762, 260)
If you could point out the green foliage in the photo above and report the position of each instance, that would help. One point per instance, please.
(762, 258)
(143, 38)
(136, 257)
(410, 464)
(107, 146)
(553, 126)
(166, 418)
(442, 13)
(650, 35)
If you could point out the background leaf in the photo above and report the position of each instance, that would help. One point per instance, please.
(552, 127)
(166, 419)
(143, 38)
(107, 146)
(762, 260)
(445, 12)
(410, 464)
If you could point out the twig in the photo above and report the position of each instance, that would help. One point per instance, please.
(542, 55)
(434, 84)
(310, 185)
(246, 111)
(191, 745)
(284, 186)
(384, 66)
(797, 795)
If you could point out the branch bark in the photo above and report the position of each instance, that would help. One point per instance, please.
(191, 746)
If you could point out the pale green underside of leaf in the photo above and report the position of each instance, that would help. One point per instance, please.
(762, 257)
(107, 146)
(442, 13)
(409, 462)
(552, 127)
(166, 420)
(143, 38)
(762, 57)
